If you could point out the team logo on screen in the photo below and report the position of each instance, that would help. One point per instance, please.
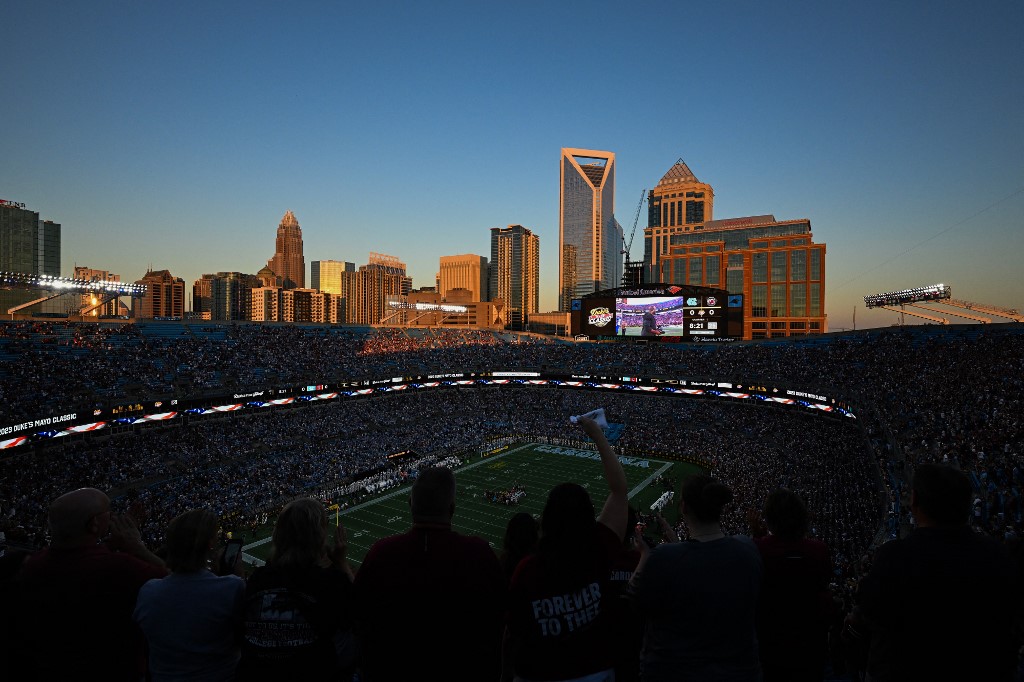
(712, 300)
(599, 317)
(691, 301)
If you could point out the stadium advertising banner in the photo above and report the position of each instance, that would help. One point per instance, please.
(129, 414)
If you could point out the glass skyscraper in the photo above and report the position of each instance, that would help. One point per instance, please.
(589, 240)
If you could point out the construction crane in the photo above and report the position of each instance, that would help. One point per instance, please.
(626, 246)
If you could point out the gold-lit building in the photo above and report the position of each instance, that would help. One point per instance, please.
(165, 296)
(367, 290)
(515, 273)
(325, 275)
(288, 262)
(774, 264)
(466, 271)
(91, 302)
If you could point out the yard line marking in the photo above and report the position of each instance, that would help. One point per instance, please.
(665, 467)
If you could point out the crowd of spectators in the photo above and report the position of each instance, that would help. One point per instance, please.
(920, 397)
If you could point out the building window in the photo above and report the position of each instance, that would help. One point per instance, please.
(672, 213)
(778, 325)
(695, 271)
(689, 195)
(778, 300)
(759, 335)
(798, 300)
(779, 242)
(758, 325)
(815, 265)
(698, 195)
(696, 249)
(664, 214)
(734, 281)
(678, 271)
(797, 325)
(778, 266)
(694, 211)
(800, 240)
(815, 303)
(798, 265)
(759, 301)
(760, 267)
(715, 247)
(712, 265)
(816, 325)
(759, 245)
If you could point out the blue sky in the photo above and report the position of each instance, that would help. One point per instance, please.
(178, 134)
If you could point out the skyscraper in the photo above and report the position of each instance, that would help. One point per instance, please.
(325, 275)
(367, 290)
(27, 245)
(288, 262)
(515, 272)
(165, 298)
(679, 203)
(589, 242)
(466, 271)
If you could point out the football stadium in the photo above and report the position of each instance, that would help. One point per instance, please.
(248, 420)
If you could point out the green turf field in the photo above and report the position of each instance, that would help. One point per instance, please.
(525, 464)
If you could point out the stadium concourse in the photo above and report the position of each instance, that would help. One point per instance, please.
(922, 394)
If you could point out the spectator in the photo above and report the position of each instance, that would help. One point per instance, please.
(299, 607)
(795, 608)
(939, 604)
(700, 596)
(560, 622)
(430, 591)
(192, 618)
(520, 541)
(78, 595)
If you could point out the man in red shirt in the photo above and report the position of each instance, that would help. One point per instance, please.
(78, 595)
(431, 600)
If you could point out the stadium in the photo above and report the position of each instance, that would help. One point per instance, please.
(167, 417)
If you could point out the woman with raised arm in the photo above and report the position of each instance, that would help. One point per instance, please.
(560, 624)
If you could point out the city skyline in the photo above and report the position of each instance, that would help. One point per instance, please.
(894, 129)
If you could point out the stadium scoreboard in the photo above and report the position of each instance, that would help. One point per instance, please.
(660, 312)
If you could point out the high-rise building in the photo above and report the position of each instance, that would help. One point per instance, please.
(165, 297)
(231, 297)
(774, 264)
(265, 304)
(464, 272)
(589, 242)
(679, 203)
(202, 297)
(325, 275)
(27, 245)
(288, 262)
(368, 289)
(93, 303)
(515, 272)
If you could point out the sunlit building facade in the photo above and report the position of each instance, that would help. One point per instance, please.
(466, 271)
(288, 262)
(515, 273)
(165, 297)
(92, 303)
(325, 275)
(589, 243)
(367, 290)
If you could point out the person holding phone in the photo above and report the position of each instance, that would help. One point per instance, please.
(192, 618)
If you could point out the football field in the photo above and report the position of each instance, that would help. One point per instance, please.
(535, 467)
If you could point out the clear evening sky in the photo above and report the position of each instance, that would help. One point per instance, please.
(177, 134)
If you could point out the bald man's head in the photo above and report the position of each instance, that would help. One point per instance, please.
(80, 517)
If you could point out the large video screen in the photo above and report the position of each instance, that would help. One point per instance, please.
(598, 316)
(692, 316)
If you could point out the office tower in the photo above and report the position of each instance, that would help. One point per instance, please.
(515, 272)
(679, 203)
(288, 262)
(468, 272)
(589, 255)
(202, 297)
(165, 297)
(28, 245)
(368, 289)
(231, 297)
(92, 304)
(775, 264)
(325, 275)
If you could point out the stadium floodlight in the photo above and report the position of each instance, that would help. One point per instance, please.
(24, 280)
(428, 307)
(934, 292)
